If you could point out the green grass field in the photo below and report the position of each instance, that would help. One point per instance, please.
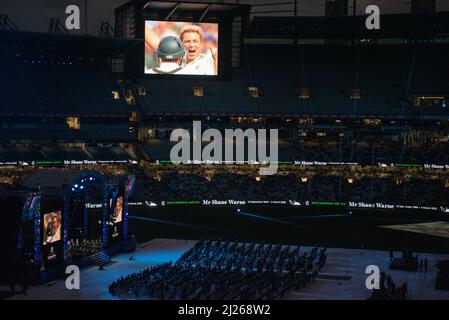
(279, 224)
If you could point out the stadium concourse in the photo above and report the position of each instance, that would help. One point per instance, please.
(88, 179)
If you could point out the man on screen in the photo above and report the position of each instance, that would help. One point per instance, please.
(197, 62)
(118, 210)
(170, 55)
(52, 228)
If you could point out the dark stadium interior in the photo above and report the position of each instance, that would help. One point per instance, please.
(87, 177)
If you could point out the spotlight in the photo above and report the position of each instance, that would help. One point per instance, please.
(76, 186)
(238, 210)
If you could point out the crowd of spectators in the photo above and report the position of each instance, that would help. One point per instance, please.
(365, 152)
(224, 270)
(389, 290)
(342, 183)
(83, 248)
(172, 185)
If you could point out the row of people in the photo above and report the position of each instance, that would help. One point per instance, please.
(79, 248)
(172, 185)
(389, 290)
(223, 270)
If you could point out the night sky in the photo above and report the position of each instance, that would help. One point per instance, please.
(34, 15)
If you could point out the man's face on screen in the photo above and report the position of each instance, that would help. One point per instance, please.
(55, 221)
(193, 44)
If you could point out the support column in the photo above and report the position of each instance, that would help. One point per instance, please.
(105, 220)
(85, 213)
(65, 223)
(37, 232)
(125, 208)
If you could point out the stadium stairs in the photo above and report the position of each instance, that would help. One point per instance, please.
(100, 259)
(87, 152)
(133, 151)
(140, 152)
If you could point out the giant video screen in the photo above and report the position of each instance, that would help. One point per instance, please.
(52, 227)
(118, 210)
(181, 48)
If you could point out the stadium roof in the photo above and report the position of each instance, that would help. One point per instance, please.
(392, 26)
(169, 8)
(185, 6)
(48, 40)
(50, 178)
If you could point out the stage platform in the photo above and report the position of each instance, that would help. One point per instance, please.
(343, 278)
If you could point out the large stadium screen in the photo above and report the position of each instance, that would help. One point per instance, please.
(118, 210)
(116, 215)
(181, 48)
(52, 227)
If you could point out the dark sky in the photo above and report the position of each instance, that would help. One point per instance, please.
(34, 15)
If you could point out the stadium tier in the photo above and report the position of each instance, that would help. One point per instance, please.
(54, 82)
(388, 77)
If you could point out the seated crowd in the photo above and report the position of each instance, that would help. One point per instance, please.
(226, 270)
(365, 152)
(389, 290)
(83, 248)
(173, 185)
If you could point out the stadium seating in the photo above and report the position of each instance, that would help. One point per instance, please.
(241, 184)
(226, 270)
(387, 76)
(43, 86)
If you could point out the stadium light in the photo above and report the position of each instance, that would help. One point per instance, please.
(198, 91)
(253, 92)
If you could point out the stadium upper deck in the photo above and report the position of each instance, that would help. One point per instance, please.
(369, 79)
(63, 86)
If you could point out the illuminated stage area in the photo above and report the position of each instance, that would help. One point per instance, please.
(94, 282)
(343, 276)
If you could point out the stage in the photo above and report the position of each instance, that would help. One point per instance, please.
(342, 278)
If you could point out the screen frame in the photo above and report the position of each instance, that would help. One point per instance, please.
(61, 227)
(224, 54)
